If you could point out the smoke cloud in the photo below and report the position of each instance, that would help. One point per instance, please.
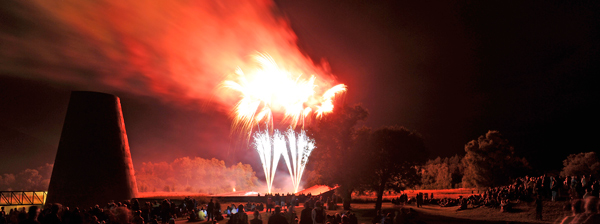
(178, 51)
(27, 180)
(195, 175)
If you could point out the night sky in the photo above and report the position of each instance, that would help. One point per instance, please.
(451, 70)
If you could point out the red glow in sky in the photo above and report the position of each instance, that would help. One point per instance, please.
(174, 50)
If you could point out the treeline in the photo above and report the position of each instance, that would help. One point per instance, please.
(490, 161)
(197, 175)
(442, 173)
(36, 179)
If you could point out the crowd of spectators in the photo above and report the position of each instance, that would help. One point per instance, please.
(545, 187)
(580, 193)
(399, 216)
(131, 211)
(284, 212)
(118, 213)
(524, 189)
(166, 211)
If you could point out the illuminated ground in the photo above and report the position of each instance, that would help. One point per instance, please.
(437, 214)
(524, 213)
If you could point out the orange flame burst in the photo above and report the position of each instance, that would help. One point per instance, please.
(271, 89)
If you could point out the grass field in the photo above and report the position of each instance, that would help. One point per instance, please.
(443, 193)
(435, 214)
(522, 213)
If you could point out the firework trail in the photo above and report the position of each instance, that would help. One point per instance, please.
(269, 156)
(271, 147)
(300, 149)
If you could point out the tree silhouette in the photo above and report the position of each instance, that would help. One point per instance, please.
(442, 173)
(336, 156)
(393, 154)
(585, 163)
(491, 161)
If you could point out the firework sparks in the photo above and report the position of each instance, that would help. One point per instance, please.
(269, 157)
(300, 149)
(327, 103)
(271, 89)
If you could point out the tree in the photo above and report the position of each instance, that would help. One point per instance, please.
(457, 170)
(27, 180)
(442, 173)
(585, 163)
(491, 161)
(336, 156)
(191, 175)
(392, 154)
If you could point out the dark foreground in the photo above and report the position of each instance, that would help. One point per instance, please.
(432, 214)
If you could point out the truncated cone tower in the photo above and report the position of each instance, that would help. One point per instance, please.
(93, 162)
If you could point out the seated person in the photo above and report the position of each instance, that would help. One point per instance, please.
(260, 207)
(193, 217)
(202, 214)
(505, 205)
(228, 211)
(233, 209)
(463, 204)
(218, 216)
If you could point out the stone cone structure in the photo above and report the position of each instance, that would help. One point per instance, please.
(93, 163)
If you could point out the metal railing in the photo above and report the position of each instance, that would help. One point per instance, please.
(23, 198)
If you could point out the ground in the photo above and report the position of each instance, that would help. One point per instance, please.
(524, 213)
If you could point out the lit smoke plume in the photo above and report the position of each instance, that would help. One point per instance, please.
(178, 51)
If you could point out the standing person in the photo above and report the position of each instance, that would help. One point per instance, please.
(377, 218)
(318, 214)
(572, 190)
(137, 217)
(553, 188)
(292, 210)
(269, 204)
(53, 218)
(165, 211)
(539, 205)
(32, 216)
(277, 218)
(277, 199)
(210, 210)
(3, 216)
(587, 194)
(306, 215)
(256, 219)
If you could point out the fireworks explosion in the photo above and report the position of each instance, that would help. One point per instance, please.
(270, 89)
